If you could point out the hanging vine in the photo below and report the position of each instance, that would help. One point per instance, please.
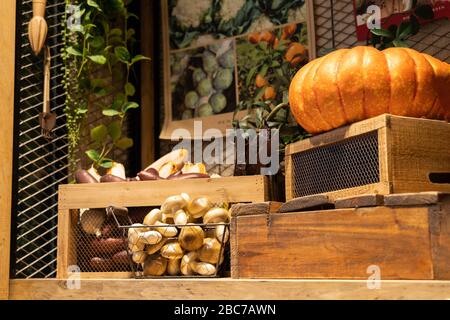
(97, 42)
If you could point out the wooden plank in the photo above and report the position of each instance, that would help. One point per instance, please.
(148, 129)
(227, 289)
(234, 253)
(440, 238)
(243, 209)
(336, 244)
(413, 199)
(419, 147)
(7, 66)
(307, 203)
(152, 193)
(66, 245)
(289, 175)
(384, 153)
(365, 200)
(339, 134)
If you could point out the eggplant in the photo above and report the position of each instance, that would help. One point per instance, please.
(149, 174)
(108, 246)
(121, 257)
(83, 176)
(101, 264)
(111, 178)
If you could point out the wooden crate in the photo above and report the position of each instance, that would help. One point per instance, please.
(386, 154)
(407, 238)
(141, 194)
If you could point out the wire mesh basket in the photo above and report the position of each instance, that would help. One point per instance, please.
(98, 241)
(169, 249)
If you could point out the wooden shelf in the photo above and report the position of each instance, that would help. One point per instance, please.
(226, 289)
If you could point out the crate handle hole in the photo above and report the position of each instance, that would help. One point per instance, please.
(439, 177)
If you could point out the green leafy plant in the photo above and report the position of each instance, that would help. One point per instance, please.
(395, 36)
(266, 115)
(98, 65)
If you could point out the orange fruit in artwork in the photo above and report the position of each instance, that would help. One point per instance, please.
(288, 31)
(269, 93)
(254, 37)
(260, 81)
(295, 54)
(266, 36)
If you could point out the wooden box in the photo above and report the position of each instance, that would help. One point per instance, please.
(139, 194)
(386, 154)
(407, 238)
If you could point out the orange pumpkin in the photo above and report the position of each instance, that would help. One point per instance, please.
(350, 85)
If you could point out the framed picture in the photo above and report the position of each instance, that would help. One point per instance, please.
(218, 53)
(394, 12)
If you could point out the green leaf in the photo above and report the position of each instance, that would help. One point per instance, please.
(129, 105)
(73, 51)
(106, 163)
(94, 4)
(400, 43)
(115, 32)
(114, 130)
(99, 59)
(93, 155)
(404, 30)
(382, 33)
(124, 143)
(129, 89)
(82, 111)
(130, 33)
(99, 133)
(139, 57)
(122, 54)
(110, 112)
(97, 42)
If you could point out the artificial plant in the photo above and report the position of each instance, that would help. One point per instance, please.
(97, 56)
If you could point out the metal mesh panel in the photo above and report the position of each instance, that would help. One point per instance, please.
(433, 38)
(350, 163)
(41, 165)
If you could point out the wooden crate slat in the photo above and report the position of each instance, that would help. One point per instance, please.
(410, 151)
(225, 289)
(404, 242)
(152, 193)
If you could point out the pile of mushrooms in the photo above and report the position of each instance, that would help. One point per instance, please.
(172, 166)
(170, 241)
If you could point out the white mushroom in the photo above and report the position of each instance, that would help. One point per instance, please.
(186, 261)
(155, 266)
(153, 248)
(150, 237)
(198, 207)
(222, 233)
(172, 250)
(173, 204)
(210, 251)
(203, 268)
(153, 216)
(216, 215)
(173, 267)
(166, 231)
(139, 256)
(180, 217)
(191, 237)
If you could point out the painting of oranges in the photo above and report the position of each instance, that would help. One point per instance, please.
(267, 61)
